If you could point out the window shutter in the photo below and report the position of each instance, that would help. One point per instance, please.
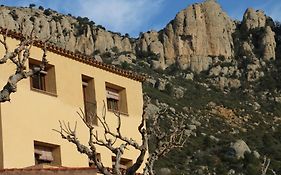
(45, 155)
(113, 94)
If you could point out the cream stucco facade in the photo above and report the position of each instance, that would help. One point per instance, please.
(31, 115)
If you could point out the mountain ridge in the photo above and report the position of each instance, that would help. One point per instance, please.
(197, 33)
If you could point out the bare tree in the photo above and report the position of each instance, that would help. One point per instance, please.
(265, 166)
(165, 140)
(19, 57)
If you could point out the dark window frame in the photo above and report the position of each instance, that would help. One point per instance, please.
(89, 99)
(45, 80)
(116, 99)
(42, 153)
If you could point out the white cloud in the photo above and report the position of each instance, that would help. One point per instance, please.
(125, 16)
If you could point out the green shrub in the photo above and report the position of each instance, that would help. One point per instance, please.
(41, 8)
(96, 52)
(169, 89)
(125, 65)
(148, 55)
(14, 15)
(48, 12)
(31, 5)
(57, 18)
(32, 18)
(115, 49)
(106, 55)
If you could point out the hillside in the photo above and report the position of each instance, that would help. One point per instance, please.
(224, 75)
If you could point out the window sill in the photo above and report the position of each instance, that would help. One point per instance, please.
(116, 112)
(44, 92)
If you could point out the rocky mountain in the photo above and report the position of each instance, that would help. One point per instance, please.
(78, 34)
(196, 35)
(223, 75)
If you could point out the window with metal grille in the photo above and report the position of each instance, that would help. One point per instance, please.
(116, 98)
(43, 81)
(45, 153)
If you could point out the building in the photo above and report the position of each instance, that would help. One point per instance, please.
(70, 81)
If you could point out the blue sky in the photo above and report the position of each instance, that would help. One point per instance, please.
(135, 16)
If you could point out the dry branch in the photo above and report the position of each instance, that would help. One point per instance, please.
(167, 140)
(19, 57)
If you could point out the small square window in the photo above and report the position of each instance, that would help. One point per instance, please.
(43, 80)
(45, 153)
(116, 99)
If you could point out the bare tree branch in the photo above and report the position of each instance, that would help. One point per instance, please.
(166, 140)
(265, 166)
(70, 135)
(19, 57)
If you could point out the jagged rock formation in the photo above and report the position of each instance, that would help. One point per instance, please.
(253, 19)
(260, 41)
(198, 33)
(65, 31)
(203, 31)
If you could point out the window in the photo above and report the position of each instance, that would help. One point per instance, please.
(45, 153)
(112, 96)
(116, 98)
(124, 163)
(89, 99)
(39, 80)
(43, 80)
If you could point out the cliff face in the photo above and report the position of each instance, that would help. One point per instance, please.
(204, 31)
(199, 31)
(259, 40)
(192, 40)
(65, 31)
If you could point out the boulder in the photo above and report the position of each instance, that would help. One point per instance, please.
(164, 171)
(268, 44)
(178, 92)
(151, 110)
(189, 76)
(124, 58)
(215, 71)
(240, 147)
(161, 84)
(98, 58)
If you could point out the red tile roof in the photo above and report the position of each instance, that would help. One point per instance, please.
(36, 169)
